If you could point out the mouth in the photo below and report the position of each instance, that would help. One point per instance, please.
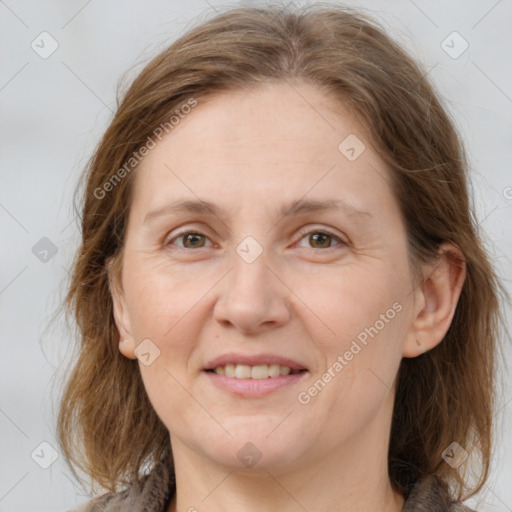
(260, 371)
(253, 376)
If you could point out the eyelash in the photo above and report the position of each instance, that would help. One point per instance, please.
(302, 234)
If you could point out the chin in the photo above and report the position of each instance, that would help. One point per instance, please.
(257, 447)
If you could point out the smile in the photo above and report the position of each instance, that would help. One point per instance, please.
(260, 371)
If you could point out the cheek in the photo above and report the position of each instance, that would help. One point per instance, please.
(360, 335)
(165, 308)
(353, 303)
(359, 340)
(163, 302)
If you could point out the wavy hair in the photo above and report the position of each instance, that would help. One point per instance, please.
(444, 395)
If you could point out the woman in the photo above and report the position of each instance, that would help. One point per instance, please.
(281, 293)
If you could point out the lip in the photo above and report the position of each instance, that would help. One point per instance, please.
(253, 388)
(254, 360)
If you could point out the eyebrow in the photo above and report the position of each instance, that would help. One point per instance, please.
(297, 207)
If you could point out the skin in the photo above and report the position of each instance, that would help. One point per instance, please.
(250, 152)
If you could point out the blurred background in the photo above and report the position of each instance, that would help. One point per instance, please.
(61, 65)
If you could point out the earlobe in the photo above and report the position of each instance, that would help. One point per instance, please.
(127, 348)
(436, 301)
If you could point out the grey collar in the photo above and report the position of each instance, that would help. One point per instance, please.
(155, 491)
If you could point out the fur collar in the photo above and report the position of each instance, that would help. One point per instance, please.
(154, 493)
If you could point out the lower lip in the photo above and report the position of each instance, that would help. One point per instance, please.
(248, 388)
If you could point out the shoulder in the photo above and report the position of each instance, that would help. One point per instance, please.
(111, 502)
(431, 494)
(151, 494)
(96, 504)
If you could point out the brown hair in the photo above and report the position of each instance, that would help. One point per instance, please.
(106, 424)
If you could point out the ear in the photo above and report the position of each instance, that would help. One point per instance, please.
(435, 300)
(121, 318)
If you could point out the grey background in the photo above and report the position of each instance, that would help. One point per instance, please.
(53, 112)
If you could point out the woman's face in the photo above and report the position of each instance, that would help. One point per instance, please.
(272, 272)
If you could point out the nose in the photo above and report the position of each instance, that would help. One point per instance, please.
(252, 298)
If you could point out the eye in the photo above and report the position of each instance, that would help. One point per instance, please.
(191, 240)
(322, 239)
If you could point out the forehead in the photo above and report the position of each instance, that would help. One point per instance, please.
(266, 119)
(280, 139)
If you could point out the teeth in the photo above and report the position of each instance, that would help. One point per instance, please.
(284, 370)
(274, 370)
(261, 371)
(242, 371)
(229, 370)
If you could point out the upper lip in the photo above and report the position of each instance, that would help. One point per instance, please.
(253, 360)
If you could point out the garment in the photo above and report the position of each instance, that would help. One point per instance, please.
(155, 492)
